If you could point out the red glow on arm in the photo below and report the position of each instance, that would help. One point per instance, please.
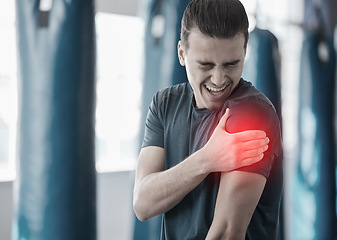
(257, 115)
(249, 116)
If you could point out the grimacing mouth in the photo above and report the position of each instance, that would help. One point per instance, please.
(216, 91)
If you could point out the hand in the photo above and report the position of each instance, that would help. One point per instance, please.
(227, 152)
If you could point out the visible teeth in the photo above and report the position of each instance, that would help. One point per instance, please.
(215, 89)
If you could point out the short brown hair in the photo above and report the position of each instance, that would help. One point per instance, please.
(215, 18)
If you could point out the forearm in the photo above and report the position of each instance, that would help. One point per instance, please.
(159, 192)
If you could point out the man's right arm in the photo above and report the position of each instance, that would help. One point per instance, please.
(157, 191)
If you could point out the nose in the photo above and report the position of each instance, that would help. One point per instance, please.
(219, 76)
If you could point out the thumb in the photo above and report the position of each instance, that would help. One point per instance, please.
(223, 119)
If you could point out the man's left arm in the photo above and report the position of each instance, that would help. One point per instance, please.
(238, 195)
(240, 190)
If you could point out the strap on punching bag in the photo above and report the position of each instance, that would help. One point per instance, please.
(44, 10)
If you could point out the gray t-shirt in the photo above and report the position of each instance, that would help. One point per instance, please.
(175, 124)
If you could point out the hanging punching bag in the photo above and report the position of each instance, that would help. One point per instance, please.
(162, 33)
(262, 66)
(161, 69)
(56, 183)
(313, 187)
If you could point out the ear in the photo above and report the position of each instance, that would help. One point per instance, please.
(181, 54)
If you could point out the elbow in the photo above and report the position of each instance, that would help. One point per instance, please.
(140, 210)
(145, 206)
(139, 214)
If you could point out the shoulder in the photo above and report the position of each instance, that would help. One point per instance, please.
(172, 95)
(252, 114)
(250, 109)
(183, 89)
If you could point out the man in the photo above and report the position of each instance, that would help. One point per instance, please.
(211, 160)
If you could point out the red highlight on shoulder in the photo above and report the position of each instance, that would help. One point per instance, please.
(244, 118)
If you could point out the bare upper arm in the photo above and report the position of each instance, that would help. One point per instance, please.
(151, 159)
(238, 195)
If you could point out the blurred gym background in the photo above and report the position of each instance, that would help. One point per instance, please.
(76, 78)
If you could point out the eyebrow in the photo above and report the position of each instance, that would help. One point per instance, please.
(205, 63)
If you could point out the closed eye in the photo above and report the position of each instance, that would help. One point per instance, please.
(205, 65)
(232, 64)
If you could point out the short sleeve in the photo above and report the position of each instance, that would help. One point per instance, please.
(256, 114)
(154, 130)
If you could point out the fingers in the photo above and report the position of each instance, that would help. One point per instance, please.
(250, 135)
(252, 156)
(254, 144)
(253, 153)
(252, 160)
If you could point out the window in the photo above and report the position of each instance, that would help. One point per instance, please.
(8, 91)
(119, 72)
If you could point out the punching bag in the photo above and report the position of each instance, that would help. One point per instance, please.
(262, 66)
(313, 193)
(56, 185)
(162, 33)
(161, 69)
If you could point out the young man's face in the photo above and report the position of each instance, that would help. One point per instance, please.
(213, 66)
